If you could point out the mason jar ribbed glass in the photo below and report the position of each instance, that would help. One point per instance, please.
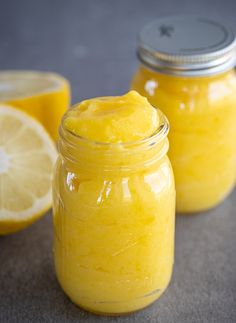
(187, 70)
(114, 215)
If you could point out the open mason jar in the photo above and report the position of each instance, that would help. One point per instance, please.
(114, 214)
(187, 71)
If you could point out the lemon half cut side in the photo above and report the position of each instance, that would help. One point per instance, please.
(43, 95)
(27, 157)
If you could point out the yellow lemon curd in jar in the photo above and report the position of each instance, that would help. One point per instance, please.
(114, 230)
(202, 116)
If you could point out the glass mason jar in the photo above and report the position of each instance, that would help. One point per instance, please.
(187, 71)
(114, 214)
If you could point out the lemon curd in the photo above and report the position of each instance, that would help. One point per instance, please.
(197, 93)
(114, 205)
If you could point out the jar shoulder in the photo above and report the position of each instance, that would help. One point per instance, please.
(113, 188)
(154, 84)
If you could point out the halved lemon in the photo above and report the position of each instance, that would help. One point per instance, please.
(45, 96)
(27, 156)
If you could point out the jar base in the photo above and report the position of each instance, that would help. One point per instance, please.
(187, 210)
(137, 305)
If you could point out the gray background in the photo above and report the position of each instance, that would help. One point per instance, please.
(92, 43)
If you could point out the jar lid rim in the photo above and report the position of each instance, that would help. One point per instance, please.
(187, 45)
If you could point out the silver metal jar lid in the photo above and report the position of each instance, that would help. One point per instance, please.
(188, 46)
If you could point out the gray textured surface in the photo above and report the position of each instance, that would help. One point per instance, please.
(93, 43)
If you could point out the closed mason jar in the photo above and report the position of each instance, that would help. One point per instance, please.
(187, 71)
(114, 214)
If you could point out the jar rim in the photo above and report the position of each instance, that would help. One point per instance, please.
(98, 157)
(158, 135)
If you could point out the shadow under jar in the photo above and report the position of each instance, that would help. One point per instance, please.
(187, 71)
(114, 214)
